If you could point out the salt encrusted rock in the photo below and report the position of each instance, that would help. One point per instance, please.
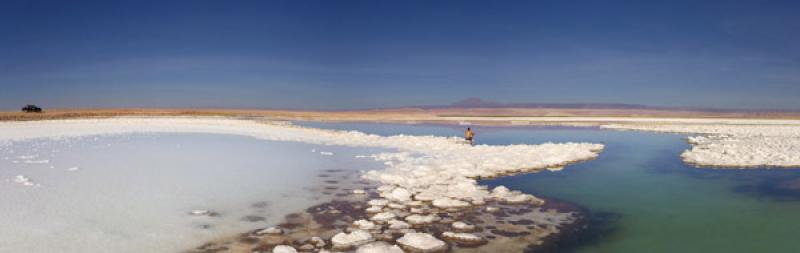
(385, 188)
(523, 198)
(461, 226)
(398, 224)
(306, 247)
(374, 209)
(514, 197)
(396, 206)
(364, 224)
(379, 247)
(492, 209)
(284, 249)
(421, 219)
(478, 202)
(399, 194)
(359, 192)
(422, 242)
(426, 196)
(378, 202)
(270, 231)
(317, 241)
(465, 239)
(383, 217)
(415, 203)
(449, 203)
(500, 191)
(345, 241)
(418, 210)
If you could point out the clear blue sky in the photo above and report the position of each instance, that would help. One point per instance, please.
(358, 54)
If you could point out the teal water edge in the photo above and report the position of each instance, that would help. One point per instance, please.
(642, 197)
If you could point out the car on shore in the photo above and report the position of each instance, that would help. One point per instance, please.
(31, 108)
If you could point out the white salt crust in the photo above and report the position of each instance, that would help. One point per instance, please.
(758, 144)
(423, 169)
(428, 167)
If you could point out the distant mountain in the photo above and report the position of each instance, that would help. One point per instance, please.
(480, 103)
(475, 102)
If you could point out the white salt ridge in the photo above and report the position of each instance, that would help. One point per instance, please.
(326, 153)
(733, 146)
(73, 169)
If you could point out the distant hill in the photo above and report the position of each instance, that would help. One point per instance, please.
(475, 102)
(480, 103)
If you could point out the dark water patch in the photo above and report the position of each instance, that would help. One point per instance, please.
(773, 189)
(588, 229)
(771, 183)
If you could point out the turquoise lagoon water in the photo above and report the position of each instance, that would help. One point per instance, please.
(642, 198)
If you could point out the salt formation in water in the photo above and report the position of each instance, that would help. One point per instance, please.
(758, 144)
(421, 242)
(509, 228)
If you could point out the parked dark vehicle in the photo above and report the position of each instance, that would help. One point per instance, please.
(31, 108)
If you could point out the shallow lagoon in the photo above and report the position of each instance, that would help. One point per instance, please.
(134, 192)
(642, 197)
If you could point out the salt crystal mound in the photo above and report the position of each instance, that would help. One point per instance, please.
(345, 241)
(283, 249)
(379, 247)
(428, 167)
(422, 242)
(733, 146)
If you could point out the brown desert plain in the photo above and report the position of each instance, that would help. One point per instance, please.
(477, 116)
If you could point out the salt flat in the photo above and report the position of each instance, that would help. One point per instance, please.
(423, 168)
